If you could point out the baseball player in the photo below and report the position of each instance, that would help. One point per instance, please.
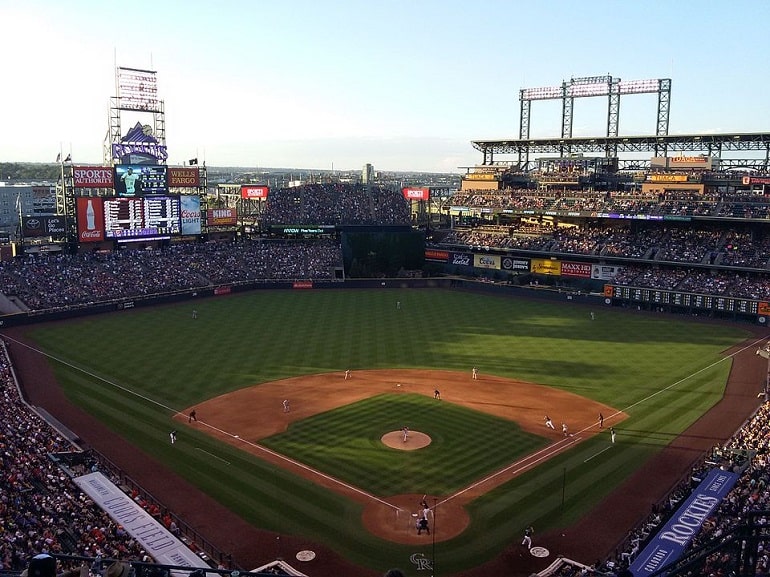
(564, 428)
(528, 537)
(549, 423)
(475, 373)
(347, 374)
(286, 405)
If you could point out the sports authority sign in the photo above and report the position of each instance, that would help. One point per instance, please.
(92, 176)
(670, 542)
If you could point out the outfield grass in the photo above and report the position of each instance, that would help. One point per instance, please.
(143, 364)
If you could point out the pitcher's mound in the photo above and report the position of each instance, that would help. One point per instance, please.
(395, 440)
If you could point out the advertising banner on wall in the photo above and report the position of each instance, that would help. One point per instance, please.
(436, 255)
(547, 267)
(462, 259)
(605, 272)
(672, 539)
(515, 264)
(576, 269)
(486, 261)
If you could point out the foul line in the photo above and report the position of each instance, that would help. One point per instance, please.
(597, 454)
(225, 433)
(213, 455)
(559, 446)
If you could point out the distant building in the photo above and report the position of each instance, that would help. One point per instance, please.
(27, 199)
(367, 174)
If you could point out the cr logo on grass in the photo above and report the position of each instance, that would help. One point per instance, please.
(421, 562)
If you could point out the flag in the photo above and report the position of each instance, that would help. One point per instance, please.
(58, 157)
(193, 161)
(69, 158)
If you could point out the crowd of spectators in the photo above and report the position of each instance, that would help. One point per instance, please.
(660, 244)
(747, 453)
(663, 253)
(336, 204)
(59, 280)
(738, 204)
(41, 509)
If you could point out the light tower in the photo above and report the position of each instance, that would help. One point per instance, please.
(590, 86)
(136, 92)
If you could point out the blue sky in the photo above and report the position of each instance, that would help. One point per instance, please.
(401, 84)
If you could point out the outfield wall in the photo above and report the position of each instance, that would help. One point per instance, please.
(549, 293)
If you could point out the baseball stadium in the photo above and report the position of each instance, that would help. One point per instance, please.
(559, 368)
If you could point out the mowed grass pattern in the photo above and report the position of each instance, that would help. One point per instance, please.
(345, 443)
(134, 369)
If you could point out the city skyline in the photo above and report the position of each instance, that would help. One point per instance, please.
(405, 86)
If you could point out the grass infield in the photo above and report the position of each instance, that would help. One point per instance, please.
(135, 368)
(345, 443)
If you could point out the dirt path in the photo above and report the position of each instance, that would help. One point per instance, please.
(229, 418)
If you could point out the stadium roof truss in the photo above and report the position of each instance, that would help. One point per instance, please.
(611, 145)
(713, 145)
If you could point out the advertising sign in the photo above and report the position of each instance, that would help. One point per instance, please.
(190, 211)
(92, 176)
(221, 217)
(184, 177)
(605, 272)
(747, 180)
(486, 261)
(515, 263)
(416, 193)
(576, 269)
(436, 255)
(251, 191)
(462, 259)
(44, 226)
(90, 219)
(547, 267)
(672, 539)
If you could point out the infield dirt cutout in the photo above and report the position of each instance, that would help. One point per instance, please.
(241, 418)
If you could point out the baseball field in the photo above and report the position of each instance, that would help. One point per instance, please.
(322, 472)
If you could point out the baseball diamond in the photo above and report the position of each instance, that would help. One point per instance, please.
(658, 381)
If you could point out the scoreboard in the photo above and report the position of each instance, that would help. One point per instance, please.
(133, 218)
(684, 299)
